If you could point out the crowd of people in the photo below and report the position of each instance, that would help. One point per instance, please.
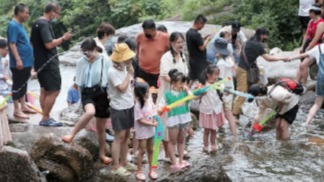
(120, 83)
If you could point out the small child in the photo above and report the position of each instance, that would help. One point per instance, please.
(5, 135)
(73, 94)
(226, 67)
(144, 128)
(5, 73)
(178, 118)
(211, 115)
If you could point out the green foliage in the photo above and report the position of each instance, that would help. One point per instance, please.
(279, 16)
(84, 16)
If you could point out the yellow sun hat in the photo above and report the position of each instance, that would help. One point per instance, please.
(122, 53)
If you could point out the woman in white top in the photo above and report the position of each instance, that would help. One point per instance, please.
(91, 72)
(173, 59)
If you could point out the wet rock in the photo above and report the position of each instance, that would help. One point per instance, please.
(89, 141)
(17, 165)
(208, 169)
(71, 114)
(21, 127)
(242, 148)
(308, 98)
(65, 162)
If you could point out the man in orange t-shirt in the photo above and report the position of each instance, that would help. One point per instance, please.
(151, 45)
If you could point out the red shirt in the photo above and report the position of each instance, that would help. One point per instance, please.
(311, 30)
(150, 51)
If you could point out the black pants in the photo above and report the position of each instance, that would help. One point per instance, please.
(19, 79)
(151, 79)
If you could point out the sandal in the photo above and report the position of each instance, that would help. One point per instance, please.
(106, 160)
(130, 167)
(140, 176)
(152, 174)
(121, 171)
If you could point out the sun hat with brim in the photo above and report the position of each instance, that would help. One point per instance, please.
(314, 8)
(221, 46)
(121, 53)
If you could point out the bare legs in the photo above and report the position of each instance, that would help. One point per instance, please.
(176, 136)
(317, 105)
(302, 74)
(282, 129)
(101, 135)
(210, 137)
(120, 148)
(47, 100)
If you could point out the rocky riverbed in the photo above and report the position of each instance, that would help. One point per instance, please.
(38, 154)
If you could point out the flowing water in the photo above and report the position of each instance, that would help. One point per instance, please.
(263, 159)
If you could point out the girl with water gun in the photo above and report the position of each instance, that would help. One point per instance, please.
(144, 127)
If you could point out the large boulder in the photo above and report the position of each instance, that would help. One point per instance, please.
(17, 165)
(210, 169)
(64, 162)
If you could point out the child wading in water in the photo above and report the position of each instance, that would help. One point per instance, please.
(211, 114)
(144, 127)
(178, 118)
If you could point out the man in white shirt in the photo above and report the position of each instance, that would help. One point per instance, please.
(303, 13)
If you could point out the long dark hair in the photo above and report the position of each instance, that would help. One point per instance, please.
(176, 76)
(258, 33)
(140, 90)
(174, 37)
(89, 44)
(212, 68)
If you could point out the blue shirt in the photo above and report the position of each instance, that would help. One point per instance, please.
(17, 34)
(73, 96)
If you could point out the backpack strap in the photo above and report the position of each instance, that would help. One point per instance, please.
(319, 48)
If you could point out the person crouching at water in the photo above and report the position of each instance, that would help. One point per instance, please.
(91, 77)
(287, 106)
(120, 90)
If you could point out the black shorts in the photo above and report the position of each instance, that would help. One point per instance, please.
(122, 119)
(196, 69)
(101, 104)
(304, 20)
(151, 79)
(50, 79)
(19, 79)
(290, 115)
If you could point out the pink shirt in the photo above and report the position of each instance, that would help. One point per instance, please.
(147, 113)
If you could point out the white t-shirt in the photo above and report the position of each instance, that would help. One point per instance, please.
(304, 5)
(118, 100)
(166, 65)
(280, 94)
(315, 53)
(226, 68)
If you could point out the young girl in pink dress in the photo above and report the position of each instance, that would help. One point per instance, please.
(144, 127)
(211, 115)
